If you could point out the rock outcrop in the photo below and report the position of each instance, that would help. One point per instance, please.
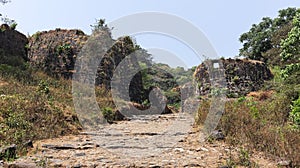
(12, 46)
(242, 76)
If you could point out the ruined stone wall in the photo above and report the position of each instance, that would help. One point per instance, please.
(242, 76)
(55, 52)
(13, 45)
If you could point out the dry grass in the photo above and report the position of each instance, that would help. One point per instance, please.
(259, 124)
(39, 108)
(35, 106)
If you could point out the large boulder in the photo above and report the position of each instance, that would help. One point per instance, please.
(242, 76)
(13, 46)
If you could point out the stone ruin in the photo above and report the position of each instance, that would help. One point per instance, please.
(12, 46)
(242, 77)
(56, 51)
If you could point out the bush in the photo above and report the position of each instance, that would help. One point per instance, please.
(295, 113)
(108, 114)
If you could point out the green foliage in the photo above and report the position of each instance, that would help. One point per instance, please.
(10, 22)
(65, 48)
(108, 114)
(291, 45)
(43, 87)
(244, 157)
(258, 40)
(100, 25)
(173, 97)
(295, 113)
(254, 111)
(290, 70)
(291, 49)
(36, 35)
(9, 155)
(236, 79)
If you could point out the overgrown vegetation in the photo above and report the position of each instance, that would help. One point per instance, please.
(260, 125)
(268, 120)
(33, 106)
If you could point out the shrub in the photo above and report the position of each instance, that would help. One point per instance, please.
(295, 113)
(108, 114)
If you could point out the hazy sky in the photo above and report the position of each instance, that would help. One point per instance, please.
(221, 21)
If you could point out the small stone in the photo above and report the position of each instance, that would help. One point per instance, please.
(217, 135)
(179, 149)
(203, 149)
(21, 165)
(155, 166)
(284, 163)
(192, 165)
(59, 147)
(28, 144)
(77, 166)
(80, 154)
(224, 167)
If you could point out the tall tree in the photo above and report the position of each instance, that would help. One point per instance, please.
(259, 38)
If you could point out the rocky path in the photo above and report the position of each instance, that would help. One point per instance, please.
(145, 141)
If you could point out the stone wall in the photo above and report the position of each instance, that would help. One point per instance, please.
(55, 52)
(242, 76)
(12, 46)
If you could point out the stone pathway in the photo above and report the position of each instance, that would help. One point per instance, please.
(145, 141)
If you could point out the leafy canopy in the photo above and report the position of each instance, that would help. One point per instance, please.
(259, 38)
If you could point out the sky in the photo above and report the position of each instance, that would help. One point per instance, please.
(222, 22)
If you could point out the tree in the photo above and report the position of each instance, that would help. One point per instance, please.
(273, 55)
(259, 38)
(291, 49)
